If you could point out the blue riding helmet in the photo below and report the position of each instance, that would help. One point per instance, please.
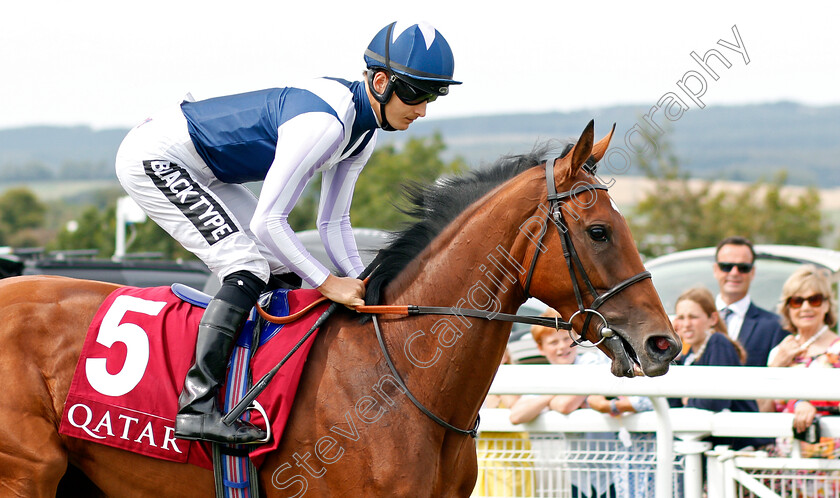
(417, 54)
(417, 60)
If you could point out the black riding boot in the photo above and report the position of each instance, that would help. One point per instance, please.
(198, 415)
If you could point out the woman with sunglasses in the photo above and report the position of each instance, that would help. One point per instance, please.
(807, 308)
(185, 167)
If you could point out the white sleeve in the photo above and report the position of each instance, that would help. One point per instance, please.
(304, 143)
(334, 225)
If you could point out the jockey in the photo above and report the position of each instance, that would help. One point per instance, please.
(185, 167)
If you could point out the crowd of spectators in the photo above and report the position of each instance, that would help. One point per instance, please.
(726, 329)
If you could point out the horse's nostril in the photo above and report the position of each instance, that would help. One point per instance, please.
(662, 343)
(663, 348)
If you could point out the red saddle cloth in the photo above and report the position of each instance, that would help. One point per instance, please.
(132, 367)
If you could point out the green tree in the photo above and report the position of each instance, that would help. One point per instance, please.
(680, 213)
(30, 171)
(95, 229)
(20, 213)
(378, 198)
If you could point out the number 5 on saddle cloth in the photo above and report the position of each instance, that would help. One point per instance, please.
(136, 354)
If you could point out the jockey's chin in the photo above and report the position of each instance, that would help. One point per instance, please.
(401, 115)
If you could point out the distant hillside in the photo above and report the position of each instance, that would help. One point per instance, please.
(733, 143)
(51, 152)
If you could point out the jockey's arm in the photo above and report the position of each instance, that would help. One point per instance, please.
(304, 144)
(336, 232)
(337, 186)
(300, 153)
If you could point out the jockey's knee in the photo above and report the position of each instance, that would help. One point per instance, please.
(241, 288)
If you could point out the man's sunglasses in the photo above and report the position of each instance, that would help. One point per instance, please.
(742, 267)
(410, 94)
(797, 301)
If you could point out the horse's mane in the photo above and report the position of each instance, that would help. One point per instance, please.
(434, 206)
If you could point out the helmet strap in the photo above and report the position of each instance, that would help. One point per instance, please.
(385, 124)
(383, 97)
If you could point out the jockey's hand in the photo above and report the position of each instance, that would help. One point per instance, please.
(344, 290)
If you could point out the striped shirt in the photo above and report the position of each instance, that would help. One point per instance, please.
(284, 136)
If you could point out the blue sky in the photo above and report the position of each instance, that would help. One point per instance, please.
(108, 64)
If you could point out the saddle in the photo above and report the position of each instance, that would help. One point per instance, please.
(138, 348)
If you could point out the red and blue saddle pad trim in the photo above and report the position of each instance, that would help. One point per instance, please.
(238, 475)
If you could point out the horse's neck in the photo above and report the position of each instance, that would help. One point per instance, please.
(480, 258)
(475, 264)
(481, 248)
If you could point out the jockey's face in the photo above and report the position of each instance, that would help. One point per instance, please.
(400, 115)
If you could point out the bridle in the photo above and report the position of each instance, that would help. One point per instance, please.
(573, 263)
(574, 266)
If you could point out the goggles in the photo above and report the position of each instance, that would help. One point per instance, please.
(797, 301)
(742, 267)
(412, 95)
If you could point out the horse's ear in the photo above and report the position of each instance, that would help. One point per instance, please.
(582, 149)
(600, 148)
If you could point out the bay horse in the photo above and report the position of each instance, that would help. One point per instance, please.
(478, 244)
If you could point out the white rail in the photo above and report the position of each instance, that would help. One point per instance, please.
(688, 424)
(696, 382)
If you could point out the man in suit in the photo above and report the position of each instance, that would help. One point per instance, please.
(757, 330)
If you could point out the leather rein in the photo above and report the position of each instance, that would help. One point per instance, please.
(576, 271)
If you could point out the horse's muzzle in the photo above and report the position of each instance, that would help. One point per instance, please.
(653, 359)
(660, 350)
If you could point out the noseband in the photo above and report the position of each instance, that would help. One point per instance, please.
(573, 263)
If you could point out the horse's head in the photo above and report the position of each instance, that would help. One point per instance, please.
(588, 267)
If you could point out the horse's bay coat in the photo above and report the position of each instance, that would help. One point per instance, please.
(352, 431)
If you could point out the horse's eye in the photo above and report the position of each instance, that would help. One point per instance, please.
(598, 233)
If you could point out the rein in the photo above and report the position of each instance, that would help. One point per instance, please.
(412, 310)
(576, 271)
(471, 432)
